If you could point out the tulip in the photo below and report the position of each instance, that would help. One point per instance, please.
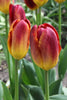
(40, 2)
(4, 6)
(16, 12)
(60, 1)
(45, 46)
(34, 4)
(18, 38)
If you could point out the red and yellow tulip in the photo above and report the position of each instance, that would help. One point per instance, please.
(60, 1)
(34, 4)
(16, 12)
(18, 38)
(4, 6)
(45, 46)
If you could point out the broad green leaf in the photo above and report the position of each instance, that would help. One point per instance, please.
(26, 93)
(11, 67)
(1, 91)
(54, 87)
(63, 63)
(4, 44)
(30, 72)
(52, 75)
(60, 89)
(65, 3)
(58, 97)
(5, 95)
(36, 92)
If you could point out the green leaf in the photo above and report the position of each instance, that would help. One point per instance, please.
(30, 73)
(36, 92)
(58, 97)
(4, 44)
(26, 93)
(11, 67)
(5, 95)
(52, 75)
(63, 63)
(1, 91)
(40, 74)
(54, 87)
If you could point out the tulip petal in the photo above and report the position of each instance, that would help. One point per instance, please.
(36, 55)
(60, 1)
(40, 2)
(16, 12)
(45, 46)
(4, 6)
(30, 4)
(18, 38)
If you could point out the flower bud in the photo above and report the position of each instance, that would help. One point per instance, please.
(60, 1)
(4, 6)
(18, 38)
(40, 2)
(16, 12)
(34, 4)
(45, 46)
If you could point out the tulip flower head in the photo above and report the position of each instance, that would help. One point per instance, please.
(40, 2)
(34, 4)
(16, 12)
(18, 38)
(4, 6)
(60, 1)
(45, 46)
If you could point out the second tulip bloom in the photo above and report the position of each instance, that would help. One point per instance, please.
(45, 46)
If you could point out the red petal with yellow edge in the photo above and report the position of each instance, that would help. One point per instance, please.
(45, 46)
(18, 38)
(36, 55)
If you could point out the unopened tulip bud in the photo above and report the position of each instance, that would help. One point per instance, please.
(18, 38)
(34, 4)
(60, 1)
(40, 2)
(45, 46)
(16, 12)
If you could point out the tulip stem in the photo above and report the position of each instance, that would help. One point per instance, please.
(16, 82)
(46, 85)
(40, 19)
(60, 22)
(36, 16)
(6, 25)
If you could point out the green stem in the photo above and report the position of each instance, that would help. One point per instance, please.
(60, 22)
(6, 25)
(46, 85)
(40, 19)
(26, 8)
(36, 16)
(16, 82)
